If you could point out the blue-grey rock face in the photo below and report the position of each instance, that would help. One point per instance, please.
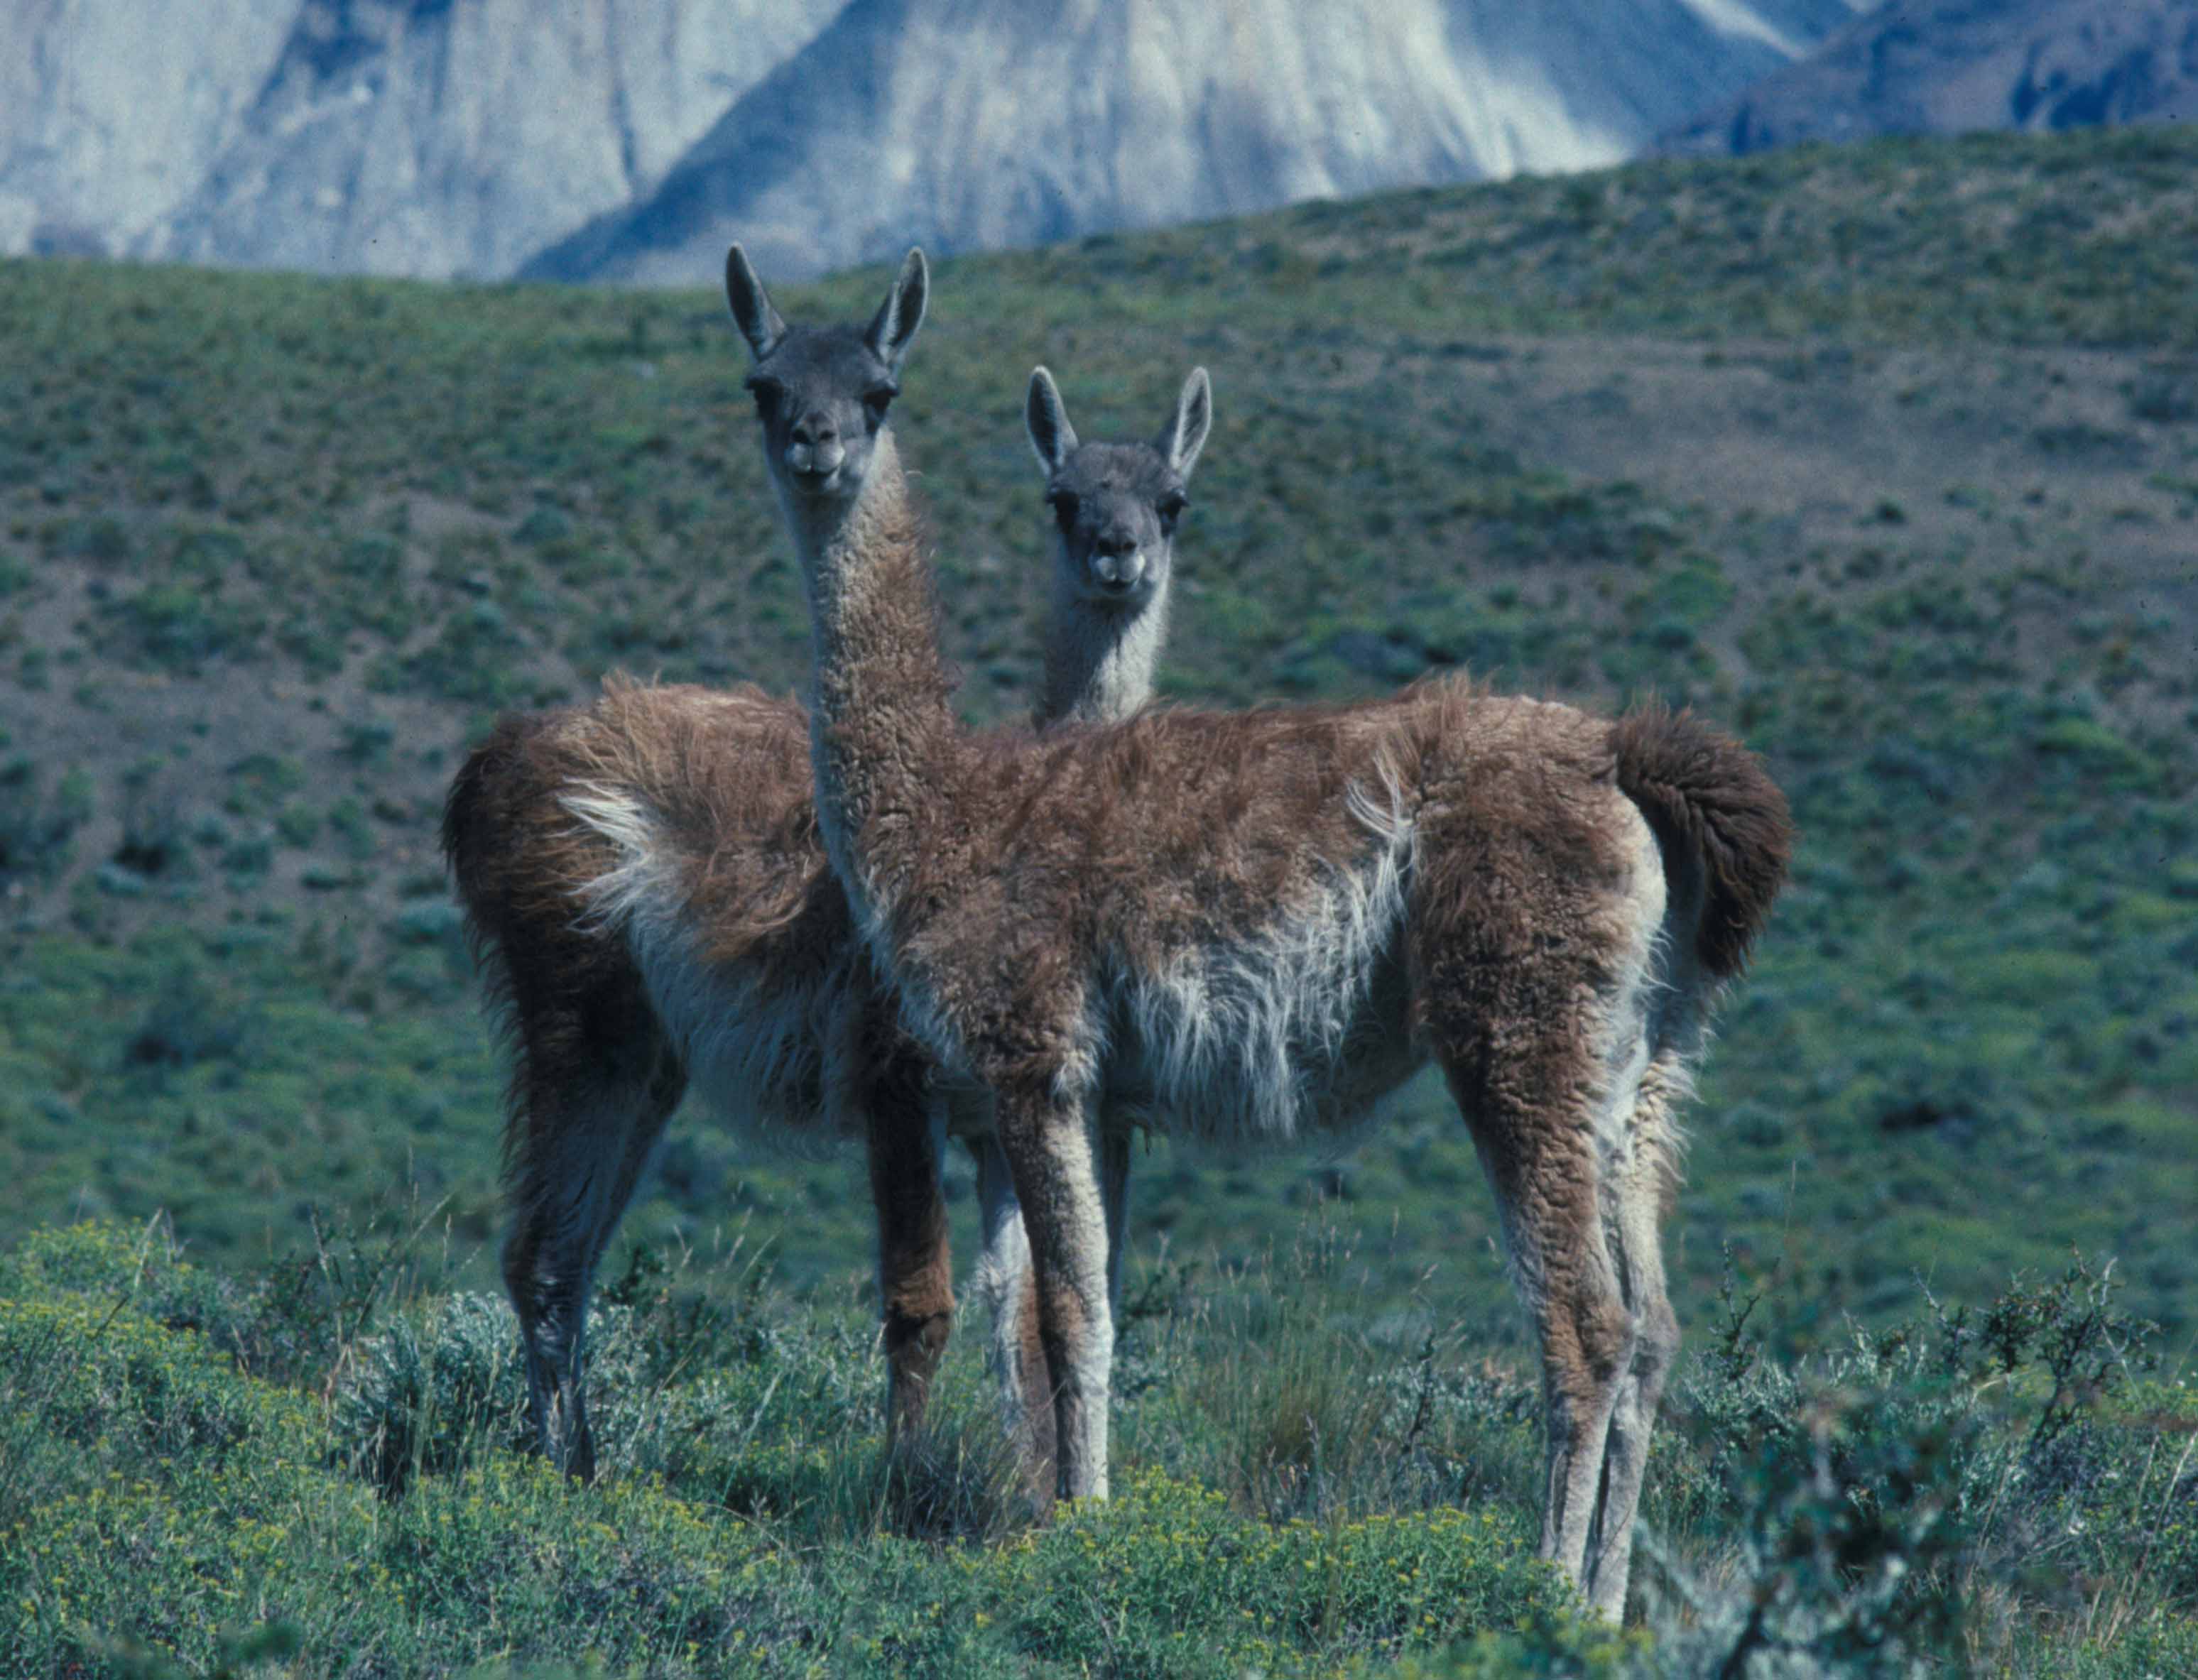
(1944, 67)
(111, 114)
(427, 137)
(965, 124)
(632, 138)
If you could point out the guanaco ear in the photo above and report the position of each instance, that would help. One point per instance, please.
(1047, 417)
(1184, 435)
(760, 323)
(902, 312)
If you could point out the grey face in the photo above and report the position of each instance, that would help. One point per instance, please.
(1116, 505)
(821, 394)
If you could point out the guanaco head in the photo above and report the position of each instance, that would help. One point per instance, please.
(1116, 505)
(821, 394)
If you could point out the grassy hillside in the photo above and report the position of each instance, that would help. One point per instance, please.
(1887, 457)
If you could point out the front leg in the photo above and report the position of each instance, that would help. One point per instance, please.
(906, 1129)
(1049, 1152)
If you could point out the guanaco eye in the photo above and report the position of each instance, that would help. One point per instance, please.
(1172, 506)
(876, 400)
(1064, 507)
(766, 392)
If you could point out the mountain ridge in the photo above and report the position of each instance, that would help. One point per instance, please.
(401, 138)
(609, 138)
(1941, 67)
(1003, 128)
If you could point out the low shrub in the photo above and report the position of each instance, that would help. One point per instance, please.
(37, 832)
(2002, 1488)
(431, 1394)
(1891, 1486)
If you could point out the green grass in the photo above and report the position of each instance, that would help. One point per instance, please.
(1982, 240)
(315, 1470)
(162, 1495)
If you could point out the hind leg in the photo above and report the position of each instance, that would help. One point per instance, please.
(580, 1137)
(1638, 1193)
(1535, 981)
(1545, 1070)
(1544, 1180)
(1010, 1289)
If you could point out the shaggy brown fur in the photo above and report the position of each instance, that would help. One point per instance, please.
(723, 780)
(724, 776)
(1261, 922)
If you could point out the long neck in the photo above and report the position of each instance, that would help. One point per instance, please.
(882, 728)
(1099, 663)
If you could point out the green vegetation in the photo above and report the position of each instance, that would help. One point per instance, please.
(313, 1469)
(1886, 456)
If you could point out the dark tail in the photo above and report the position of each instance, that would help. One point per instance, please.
(1709, 797)
(493, 793)
(496, 874)
(470, 813)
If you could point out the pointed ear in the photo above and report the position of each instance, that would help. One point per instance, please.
(902, 312)
(758, 321)
(1184, 435)
(1047, 417)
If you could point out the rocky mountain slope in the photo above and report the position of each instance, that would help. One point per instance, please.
(966, 124)
(419, 137)
(110, 118)
(1942, 66)
(615, 137)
